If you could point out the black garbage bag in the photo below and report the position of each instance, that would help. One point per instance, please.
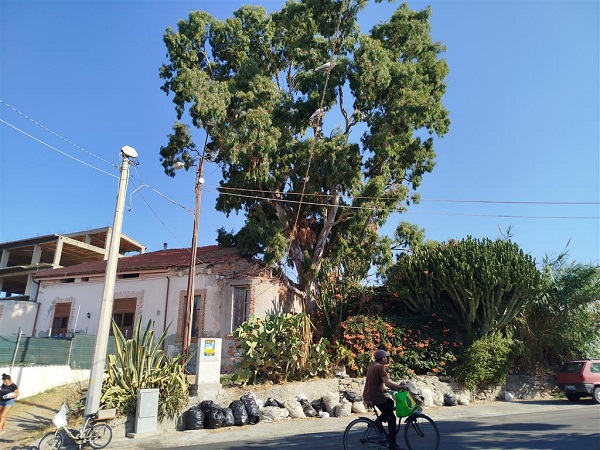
(207, 405)
(214, 418)
(228, 419)
(240, 415)
(450, 400)
(194, 419)
(274, 402)
(317, 405)
(251, 408)
(309, 411)
(353, 396)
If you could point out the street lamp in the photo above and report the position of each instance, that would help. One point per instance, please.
(92, 402)
(189, 301)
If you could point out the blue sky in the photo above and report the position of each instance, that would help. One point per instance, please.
(81, 78)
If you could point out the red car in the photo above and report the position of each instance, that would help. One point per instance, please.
(580, 379)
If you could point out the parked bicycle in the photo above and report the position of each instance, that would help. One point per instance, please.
(93, 431)
(420, 431)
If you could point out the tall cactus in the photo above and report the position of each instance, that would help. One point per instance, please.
(481, 284)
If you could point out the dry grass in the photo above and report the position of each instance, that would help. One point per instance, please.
(31, 417)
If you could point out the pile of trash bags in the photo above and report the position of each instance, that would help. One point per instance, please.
(248, 410)
(209, 415)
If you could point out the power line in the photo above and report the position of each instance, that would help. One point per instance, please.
(54, 133)
(516, 202)
(57, 150)
(443, 213)
(223, 190)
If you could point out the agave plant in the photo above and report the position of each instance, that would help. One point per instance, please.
(140, 363)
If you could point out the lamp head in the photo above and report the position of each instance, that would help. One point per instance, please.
(129, 151)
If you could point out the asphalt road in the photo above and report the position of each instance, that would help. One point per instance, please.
(530, 425)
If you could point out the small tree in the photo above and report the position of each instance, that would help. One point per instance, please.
(481, 284)
(562, 323)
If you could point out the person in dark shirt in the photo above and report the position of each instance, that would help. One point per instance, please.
(375, 393)
(9, 391)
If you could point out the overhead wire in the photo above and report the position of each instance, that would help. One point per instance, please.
(247, 193)
(22, 114)
(302, 201)
(57, 150)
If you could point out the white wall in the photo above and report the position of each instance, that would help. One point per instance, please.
(33, 380)
(15, 314)
(86, 298)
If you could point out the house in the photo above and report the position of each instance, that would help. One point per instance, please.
(21, 260)
(228, 288)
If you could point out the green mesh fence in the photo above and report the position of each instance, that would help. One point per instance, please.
(77, 351)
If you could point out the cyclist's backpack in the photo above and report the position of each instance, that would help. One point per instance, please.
(405, 404)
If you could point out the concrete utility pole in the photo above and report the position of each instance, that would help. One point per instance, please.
(92, 401)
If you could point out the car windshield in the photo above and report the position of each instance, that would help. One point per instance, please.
(572, 367)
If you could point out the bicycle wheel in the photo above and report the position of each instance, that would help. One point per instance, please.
(100, 435)
(51, 441)
(421, 433)
(363, 433)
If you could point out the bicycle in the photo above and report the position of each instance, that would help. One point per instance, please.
(97, 435)
(420, 433)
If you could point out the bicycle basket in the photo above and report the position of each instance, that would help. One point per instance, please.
(405, 404)
(60, 418)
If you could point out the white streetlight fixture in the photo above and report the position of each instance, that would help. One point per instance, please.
(92, 402)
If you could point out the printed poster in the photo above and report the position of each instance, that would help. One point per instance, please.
(209, 350)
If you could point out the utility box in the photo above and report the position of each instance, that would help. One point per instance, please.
(208, 370)
(146, 418)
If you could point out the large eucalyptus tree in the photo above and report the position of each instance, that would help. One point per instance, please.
(321, 130)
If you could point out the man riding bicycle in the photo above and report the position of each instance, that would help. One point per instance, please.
(375, 393)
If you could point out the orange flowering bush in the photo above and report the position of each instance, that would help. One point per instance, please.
(417, 344)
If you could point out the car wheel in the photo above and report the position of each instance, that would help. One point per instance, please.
(596, 395)
(574, 397)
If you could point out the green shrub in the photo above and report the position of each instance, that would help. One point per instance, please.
(279, 348)
(417, 344)
(486, 362)
(140, 363)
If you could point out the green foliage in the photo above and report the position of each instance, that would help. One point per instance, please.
(317, 200)
(140, 363)
(562, 323)
(486, 362)
(279, 348)
(481, 284)
(416, 344)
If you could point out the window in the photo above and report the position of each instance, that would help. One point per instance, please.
(196, 316)
(60, 321)
(124, 315)
(241, 306)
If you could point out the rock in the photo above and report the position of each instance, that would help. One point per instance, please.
(343, 409)
(294, 409)
(331, 400)
(427, 397)
(464, 397)
(273, 414)
(359, 408)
